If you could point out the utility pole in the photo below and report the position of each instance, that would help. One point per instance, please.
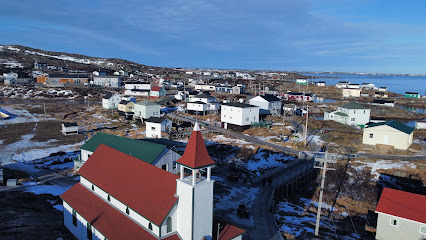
(306, 126)
(321, 160)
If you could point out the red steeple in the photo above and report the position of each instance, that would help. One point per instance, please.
(196, 155)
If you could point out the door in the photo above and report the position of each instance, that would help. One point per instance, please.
(385, 139)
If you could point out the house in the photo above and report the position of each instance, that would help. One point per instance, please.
(110, 100)
(269, 104)
(401, 215)
(230, 232)
(155, 127)
(269, 90)
(342, 84)
(367, 86)
(155, 154)
(69, 128)
(352, 113)
(125, 108)
(107, 81)
(351, 92)
(205, 87)
(10, 81)
(137, 88)
(364, 94)
(296, 96)
(239, 116)
(421, 125)
(146, 109)
(145, 201)
(203, 97)
(197, 107)
(411, 95)
(392, 133)
(289, 109)
(157, 92)
(383, 102)
(10, 76)
(223, 88)
(40, 65)
(128, 98)
(353, 86)
(383, 89)
(301, 81)
(63, 80)
(320, 84)
(380, 95)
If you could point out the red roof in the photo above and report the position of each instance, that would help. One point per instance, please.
(196, 155)
(156, 88)
(230, 232)
(403, 204)
(104, 217)
(146, 189)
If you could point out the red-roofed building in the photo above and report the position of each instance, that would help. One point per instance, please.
(401, 215)
(121, 197)
(230, 232)
(157, 92)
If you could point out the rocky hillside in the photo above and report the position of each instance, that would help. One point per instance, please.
(21, 58)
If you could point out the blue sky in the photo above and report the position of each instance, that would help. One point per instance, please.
(296, 35)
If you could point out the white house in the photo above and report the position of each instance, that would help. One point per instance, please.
(137, 88)
(239, 116)
(110, 100)
(69, 128)
(367, 85)
(421, 125)
(383, 89)
(10, 75)
(351, 113)
(155, 126)
(392, 133)
(146, 109)
(146, 202)
(351, 92)
(269, 104)
(205, 87)
(320, 84)
(401, 215)
(107, 81)
(197, 107)
(383, 102)
(302, 81)
(206, 98)
(155, 154)
(342, 84)
(353, 86)
(157, 92)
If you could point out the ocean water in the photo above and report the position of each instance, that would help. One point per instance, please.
(397, 84)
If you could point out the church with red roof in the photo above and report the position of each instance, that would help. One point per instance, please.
(136, 200)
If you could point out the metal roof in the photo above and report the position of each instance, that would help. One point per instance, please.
(145, 151)
(394, 124)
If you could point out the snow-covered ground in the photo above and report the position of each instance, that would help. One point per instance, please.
(264, 160)
(36, 92)
(222, 139)
(383, 164)
(17, 115)
(228, 202)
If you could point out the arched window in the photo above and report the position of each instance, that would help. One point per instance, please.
(150, 226)
(169, 224)
(127, 210)
(89, 231)
(93, 188)
(109, 198)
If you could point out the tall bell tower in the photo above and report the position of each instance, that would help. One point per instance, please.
(195, 192)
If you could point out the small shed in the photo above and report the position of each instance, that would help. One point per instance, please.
(12, 182)
(69, 128)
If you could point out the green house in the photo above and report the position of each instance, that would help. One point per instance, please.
(411, 95)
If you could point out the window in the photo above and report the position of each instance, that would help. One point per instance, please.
(93, 188)
(364, 111)
(174, 165)
(354, 111)
(153, 128)
(169, 224)
(353, 119)
(74, 218)
(423, 229)
(127, 210)
(371, 135)
(247, 119)
(394, 222)
(150, 226)
(89, 231)
(164, 167)
(109, 198)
